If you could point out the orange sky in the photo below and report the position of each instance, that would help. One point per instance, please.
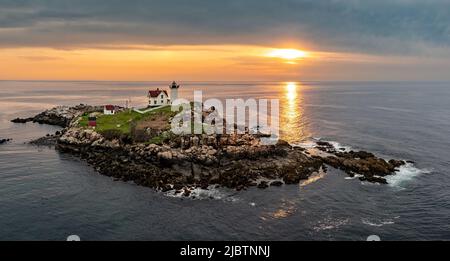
(224, 40)
(142, 63)
(190, 62)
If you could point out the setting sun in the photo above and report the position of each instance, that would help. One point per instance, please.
(288, 54)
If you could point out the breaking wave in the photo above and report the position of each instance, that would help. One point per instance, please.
(405, 173)
(211, 193)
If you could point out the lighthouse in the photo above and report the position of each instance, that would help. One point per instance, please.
(174, 91)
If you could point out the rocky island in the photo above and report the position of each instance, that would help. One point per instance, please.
(130, 146)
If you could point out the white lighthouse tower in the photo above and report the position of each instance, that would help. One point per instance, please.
(174, 91)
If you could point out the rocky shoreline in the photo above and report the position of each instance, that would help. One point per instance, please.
(233, 161)
(59, 116)
(199, 161)
(47, 140)
(372, 168)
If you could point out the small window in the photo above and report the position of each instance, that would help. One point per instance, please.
(162, 96)
(162, 102)
(154, 102)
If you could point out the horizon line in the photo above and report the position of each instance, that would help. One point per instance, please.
(196, 81)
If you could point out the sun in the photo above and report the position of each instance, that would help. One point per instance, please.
(287, 54)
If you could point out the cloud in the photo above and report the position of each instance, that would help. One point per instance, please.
(37, 58)
(385, 26)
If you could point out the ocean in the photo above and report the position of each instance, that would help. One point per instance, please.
(46, 195)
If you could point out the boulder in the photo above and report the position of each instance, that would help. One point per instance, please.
(396, 163)
(374, 179)
(20, 120)
(276, 183)
(2, 141)
(263, 185)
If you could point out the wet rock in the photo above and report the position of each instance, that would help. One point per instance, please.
(186, 192)
(396, 163)
(276, 183)
(21, 120)
(166, 188)
(364, 163)
(48, 140)
(325, 146)
(263, 185)
(355, 155)
(2, 141)
(240, 187)
(374, 179)
(371, 166)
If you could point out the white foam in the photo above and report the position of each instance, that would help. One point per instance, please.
(340, 147)
(210, 193)
(329, 223)
(310, 144)
(377, 224)
(305, 145)
(356, 176)
(405, 173)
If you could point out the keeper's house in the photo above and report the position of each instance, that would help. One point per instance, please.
(158, 98)
(109, 110)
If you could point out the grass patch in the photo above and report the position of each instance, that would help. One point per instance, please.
(122, 121)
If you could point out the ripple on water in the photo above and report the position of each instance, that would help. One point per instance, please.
(329, 223)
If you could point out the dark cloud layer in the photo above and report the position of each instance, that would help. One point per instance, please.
(388, 26)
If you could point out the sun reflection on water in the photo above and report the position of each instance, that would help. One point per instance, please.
(291, 93)
(292, 126)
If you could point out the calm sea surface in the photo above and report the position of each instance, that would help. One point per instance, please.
(45, 195)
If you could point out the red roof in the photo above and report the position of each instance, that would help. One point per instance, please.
(109, 107)
(156, 93)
